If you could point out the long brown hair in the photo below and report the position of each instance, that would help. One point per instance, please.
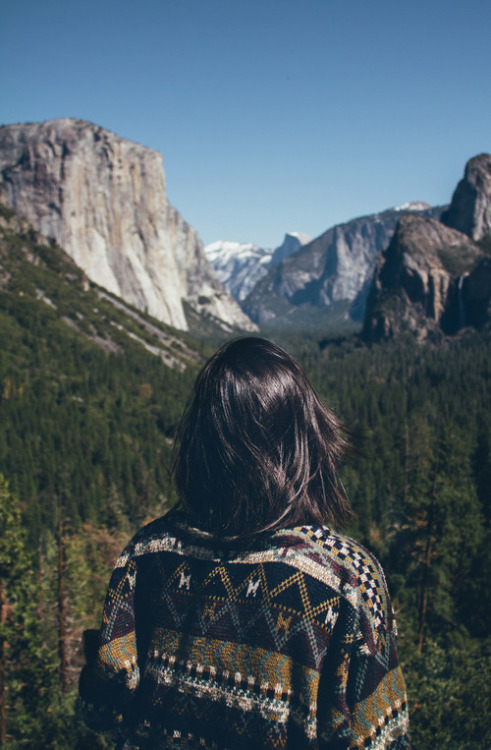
(257, 449)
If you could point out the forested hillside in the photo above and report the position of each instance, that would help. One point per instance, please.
(90, 396)
(422, 497)
(91, 391)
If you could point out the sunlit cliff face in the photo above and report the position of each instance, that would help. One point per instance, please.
(103, 199)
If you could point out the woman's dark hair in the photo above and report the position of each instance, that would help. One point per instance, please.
(257, 450)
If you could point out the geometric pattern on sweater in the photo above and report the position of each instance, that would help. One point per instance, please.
(362, 563)
(231, 666)
(286, 641)
(284, 609)
(265, 673)
(382, 711)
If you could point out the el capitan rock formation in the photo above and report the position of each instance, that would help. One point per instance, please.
(103, 199)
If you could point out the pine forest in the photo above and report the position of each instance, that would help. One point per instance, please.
(90, 398)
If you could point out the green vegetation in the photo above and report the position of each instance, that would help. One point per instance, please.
(462, 261)
(311, 322)
(422, 497)
(88, 414)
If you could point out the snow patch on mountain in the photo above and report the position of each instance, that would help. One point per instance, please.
(413, 206)
(239, 266)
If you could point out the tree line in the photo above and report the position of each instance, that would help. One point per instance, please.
(85, 452)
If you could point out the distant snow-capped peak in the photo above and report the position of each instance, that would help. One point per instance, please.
(224, 251)
(300, 236)
(240, 265)
(413, 206)
(292, 241)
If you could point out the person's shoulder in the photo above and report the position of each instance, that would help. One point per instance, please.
(361, 578)
(157, 536)
(353, 562)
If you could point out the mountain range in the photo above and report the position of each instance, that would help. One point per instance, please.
(414, 268)
(434, 278)
(336, 267)
(239, 266)
(102, 199)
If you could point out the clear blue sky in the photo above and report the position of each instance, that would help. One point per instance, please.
(271, 116)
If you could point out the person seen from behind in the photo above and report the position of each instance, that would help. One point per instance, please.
(242, 618)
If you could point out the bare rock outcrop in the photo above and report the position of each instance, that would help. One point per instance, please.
(103, 199)
(470, 209)
(335, 267)
(420, 281)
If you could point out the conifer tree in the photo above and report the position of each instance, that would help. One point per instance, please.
(25, 670)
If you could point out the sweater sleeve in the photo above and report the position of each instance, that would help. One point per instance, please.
(109, 680)
(370, 705)
(377, 698)
(376, 692)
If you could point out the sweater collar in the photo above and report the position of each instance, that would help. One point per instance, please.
(185, 528)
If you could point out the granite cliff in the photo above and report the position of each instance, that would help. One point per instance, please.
(470, 209)
(103, 200)
(423, 283)
(335, 267)
(435, 277)
(292, 241)
(43, 289)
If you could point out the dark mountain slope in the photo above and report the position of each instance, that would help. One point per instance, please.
(331, 272)
(434, 278)
(91, 389)
(470, 209)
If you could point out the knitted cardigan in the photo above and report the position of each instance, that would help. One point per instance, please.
(288, 641)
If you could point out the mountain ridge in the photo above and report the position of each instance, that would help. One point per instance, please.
(45, 278)
(434, 278)
(335, 267)
(240, 265)
(103, 198)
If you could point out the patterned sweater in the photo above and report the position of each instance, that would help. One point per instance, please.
(284, 642)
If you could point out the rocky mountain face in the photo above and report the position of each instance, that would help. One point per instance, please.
(429, 281)
(239, 266)
(103, 200)
(336, 267)
(292, 242)
(40, 285)
(470, 209)
(435, 277)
